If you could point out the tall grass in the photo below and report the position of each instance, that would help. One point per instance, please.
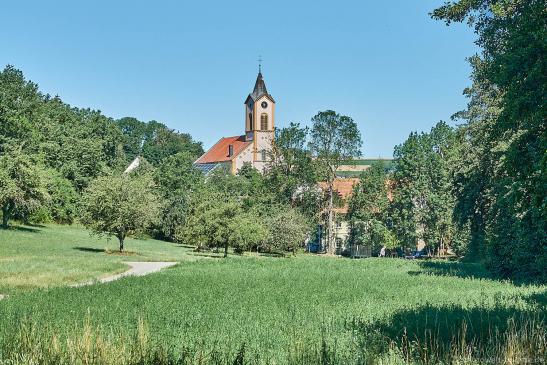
(519, 341)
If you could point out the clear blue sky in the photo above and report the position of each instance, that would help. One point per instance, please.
(190, 64)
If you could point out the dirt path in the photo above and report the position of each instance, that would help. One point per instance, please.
(136, 269)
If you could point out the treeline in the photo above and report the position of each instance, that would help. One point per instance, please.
(479, 188)
(63, 164)
(50, 152)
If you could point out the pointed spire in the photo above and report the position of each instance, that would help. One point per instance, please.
(260, 87)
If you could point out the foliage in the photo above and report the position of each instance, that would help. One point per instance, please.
(210, 213)
(62, 206)
(247, 231)
(335, 138)
(119, 205)
(22, 186)
(176, 180)
(79, 145)
(165, 142)
(154, 141)
(288, 230)
(19, 104)
(368, 210)
(501, 179)
(423, 200)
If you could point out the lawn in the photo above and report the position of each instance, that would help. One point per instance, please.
(274, 310)
(52, 255)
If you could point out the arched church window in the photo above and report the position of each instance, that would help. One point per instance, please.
(264, 155)
(250, 121)
(264, 122)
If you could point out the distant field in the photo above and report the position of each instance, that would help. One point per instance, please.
(347, 169)
(51, 255)
(277, 309)
(387, 162)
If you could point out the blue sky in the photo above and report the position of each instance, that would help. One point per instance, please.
(190, 64)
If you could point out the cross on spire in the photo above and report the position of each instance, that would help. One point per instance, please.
(259, 63)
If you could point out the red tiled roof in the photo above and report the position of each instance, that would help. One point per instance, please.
(344, 188)
(219, 152)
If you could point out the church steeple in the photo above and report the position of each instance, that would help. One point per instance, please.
(260, 87)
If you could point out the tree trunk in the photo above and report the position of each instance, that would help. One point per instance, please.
(6, 211)
(330, 246)
(226, 250)
(121, 238)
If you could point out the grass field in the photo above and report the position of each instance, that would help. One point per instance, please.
(302, 309)
(51, 255)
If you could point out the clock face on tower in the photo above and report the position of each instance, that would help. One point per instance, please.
(264, 105)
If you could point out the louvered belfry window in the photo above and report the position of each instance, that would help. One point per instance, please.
(264, 122)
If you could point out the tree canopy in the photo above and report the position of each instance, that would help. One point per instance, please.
(119, 205)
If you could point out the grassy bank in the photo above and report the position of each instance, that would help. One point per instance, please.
(262, 310)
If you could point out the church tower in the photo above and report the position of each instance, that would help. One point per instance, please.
(253, 147)
(259, 122)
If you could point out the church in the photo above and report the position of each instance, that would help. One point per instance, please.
(231, 153)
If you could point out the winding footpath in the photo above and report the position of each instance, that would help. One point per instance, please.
(136, 269)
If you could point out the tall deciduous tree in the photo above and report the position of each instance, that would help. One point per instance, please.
(288, 230)
(368, 210)
(20, 103)
(22, 185)
(423, 200)
(210, 220)
(176, 180)
(292, 173)
(335, 138)
(119, 205)
(502, 181)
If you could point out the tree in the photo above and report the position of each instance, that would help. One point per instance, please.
(22, 185)
(161, 142)
(119, 205)
(291, 173)
(62, 205)
(81, 144)
(423, 200)
(502, 177)
(288, 229)
(335, 138)
(246, 231)
(135, 133)
(20, 103)
(176, 180)
(368, 209)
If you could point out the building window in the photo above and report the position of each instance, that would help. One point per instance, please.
(250, 121)
(264, 155)
(264, 122)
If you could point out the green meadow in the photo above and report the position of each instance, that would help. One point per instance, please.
(296, 309)
(53, 255)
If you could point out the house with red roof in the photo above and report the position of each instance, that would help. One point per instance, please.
(252, 147)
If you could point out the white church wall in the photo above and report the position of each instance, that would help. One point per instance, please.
(244, 156)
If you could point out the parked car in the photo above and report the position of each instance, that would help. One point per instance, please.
(418, 254)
